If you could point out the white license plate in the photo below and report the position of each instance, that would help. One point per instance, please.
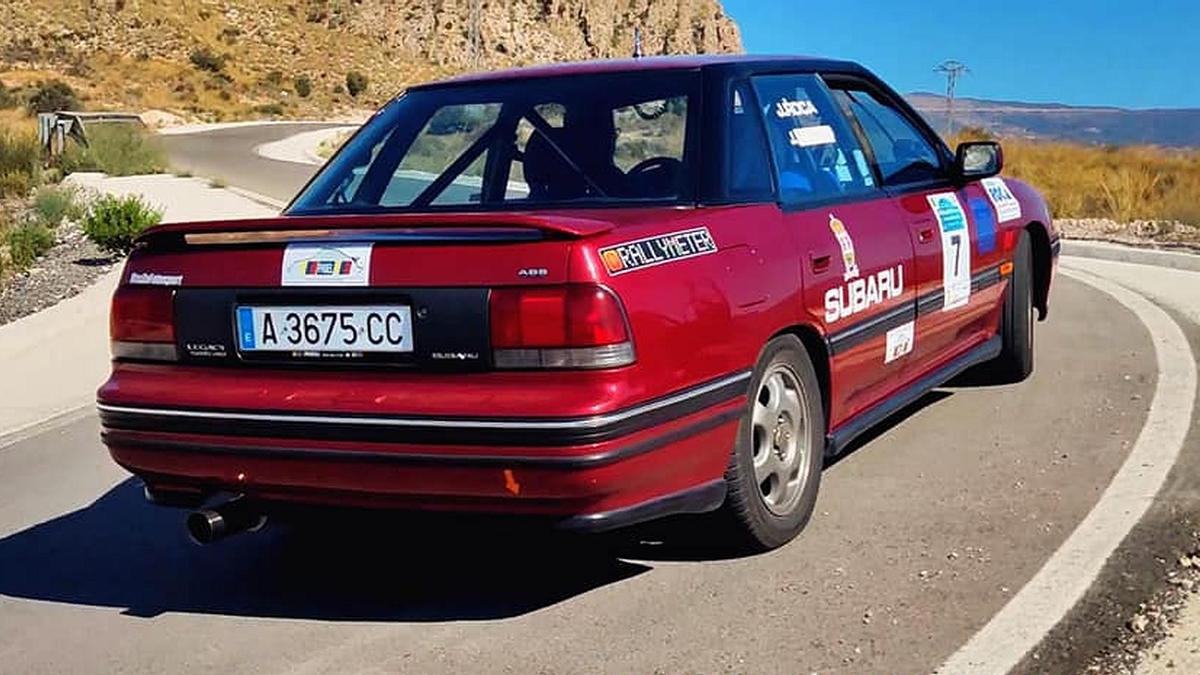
(339, 328)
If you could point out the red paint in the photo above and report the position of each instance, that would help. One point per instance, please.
(690, 321)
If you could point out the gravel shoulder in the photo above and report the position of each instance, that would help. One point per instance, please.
(73, 264)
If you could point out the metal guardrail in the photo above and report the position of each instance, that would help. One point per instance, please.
(55, 128)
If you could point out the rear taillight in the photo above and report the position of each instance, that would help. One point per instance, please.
(577, 326)
(141, 325)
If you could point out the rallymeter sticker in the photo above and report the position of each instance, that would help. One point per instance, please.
(657, 250)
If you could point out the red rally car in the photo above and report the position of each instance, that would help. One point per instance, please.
(598, 293)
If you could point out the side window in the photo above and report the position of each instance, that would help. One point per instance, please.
(817, 157)
(748, 171)
(902, 152)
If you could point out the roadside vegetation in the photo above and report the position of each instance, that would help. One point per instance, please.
(1123, 184)
(117, 150)
(113, 223)
(37, 210)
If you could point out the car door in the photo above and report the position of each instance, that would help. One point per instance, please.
(952, 228)
(853, 247)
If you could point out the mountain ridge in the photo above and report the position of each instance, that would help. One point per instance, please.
(1102, 125)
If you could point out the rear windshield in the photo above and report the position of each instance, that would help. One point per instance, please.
(598, 140)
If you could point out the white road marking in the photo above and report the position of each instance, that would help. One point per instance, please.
(1066, 576)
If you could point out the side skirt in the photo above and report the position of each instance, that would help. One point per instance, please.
(840, 439)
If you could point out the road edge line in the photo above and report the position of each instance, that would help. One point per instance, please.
(1067, 575)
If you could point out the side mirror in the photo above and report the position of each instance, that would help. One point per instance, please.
(974, 160)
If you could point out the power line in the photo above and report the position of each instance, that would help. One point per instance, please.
(952, 70)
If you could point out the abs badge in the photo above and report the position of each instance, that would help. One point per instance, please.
(1007, 206)
(849, 260)
(956, 249)
(326, 265)
(657, 250)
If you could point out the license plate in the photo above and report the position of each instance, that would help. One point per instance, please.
(357, 328)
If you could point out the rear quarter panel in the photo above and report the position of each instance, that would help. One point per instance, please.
(704, 317)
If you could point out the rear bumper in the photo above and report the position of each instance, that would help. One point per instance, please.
(593, 473)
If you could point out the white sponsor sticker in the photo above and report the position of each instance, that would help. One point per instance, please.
(786, 108)
(155, 279)
(1007, 206)
(956, 248)
(326, 265)
(805, 137)
(849, 259)
(657, 250)
(899, 342)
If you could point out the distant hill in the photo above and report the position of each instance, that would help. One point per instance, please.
(292, 57)
(1178, 127)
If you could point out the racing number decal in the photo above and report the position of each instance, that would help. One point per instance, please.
(956, 249)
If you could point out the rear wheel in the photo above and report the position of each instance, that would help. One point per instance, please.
(1015, 362)
(775, 469)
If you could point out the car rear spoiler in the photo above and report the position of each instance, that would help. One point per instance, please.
(381, 226)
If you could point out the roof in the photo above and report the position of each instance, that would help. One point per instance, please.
(649, 63)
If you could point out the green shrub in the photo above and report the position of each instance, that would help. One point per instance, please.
(272, 109)
(20, 161)
(52, 204)
(7, 98)
(52, 95)
(303, 86)
(204, 59)
(117, 150)
(27, 242)
(274, 77)
(113, 223)
(356, 83)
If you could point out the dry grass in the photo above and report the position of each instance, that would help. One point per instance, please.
(1119, 183)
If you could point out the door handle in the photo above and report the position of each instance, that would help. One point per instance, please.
(820, 263)
(925, 235)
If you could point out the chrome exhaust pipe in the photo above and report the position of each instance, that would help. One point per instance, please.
(236, 515)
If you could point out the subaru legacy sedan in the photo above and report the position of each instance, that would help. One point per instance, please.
(590, 294)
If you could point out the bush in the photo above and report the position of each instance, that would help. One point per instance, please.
(113, 223)
(53, 204)
(20, 160)
(204, 59)
(274, 78)
(303, 86)
(28, 242)
(52, 95)
(273, 109)
(356, 83)
(7, 98)
(117, 150)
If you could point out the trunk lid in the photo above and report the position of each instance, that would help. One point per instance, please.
(433, 272)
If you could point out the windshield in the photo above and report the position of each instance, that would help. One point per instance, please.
(598, 140)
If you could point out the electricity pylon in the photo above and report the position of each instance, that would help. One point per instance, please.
(952, 70)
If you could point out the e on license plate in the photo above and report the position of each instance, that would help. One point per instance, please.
(343, 328)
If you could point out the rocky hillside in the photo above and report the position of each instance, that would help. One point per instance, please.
(231, 57)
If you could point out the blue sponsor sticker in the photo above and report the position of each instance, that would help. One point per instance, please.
(949, 214)
(985, 224)
(246, 327)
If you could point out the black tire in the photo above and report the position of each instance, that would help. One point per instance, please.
(1015, 362)
(755, 526)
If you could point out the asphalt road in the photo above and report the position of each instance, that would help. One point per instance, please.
(921, 534)
(228, 154)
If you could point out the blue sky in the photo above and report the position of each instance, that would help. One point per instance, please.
(1131, 53)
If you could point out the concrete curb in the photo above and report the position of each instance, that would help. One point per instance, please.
(1131, 254)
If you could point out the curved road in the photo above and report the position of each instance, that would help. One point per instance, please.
(921, 535)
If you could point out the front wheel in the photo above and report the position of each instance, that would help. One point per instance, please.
(775, 468)
(1015, 362)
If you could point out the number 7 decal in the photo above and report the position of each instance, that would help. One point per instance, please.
(956, 263)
